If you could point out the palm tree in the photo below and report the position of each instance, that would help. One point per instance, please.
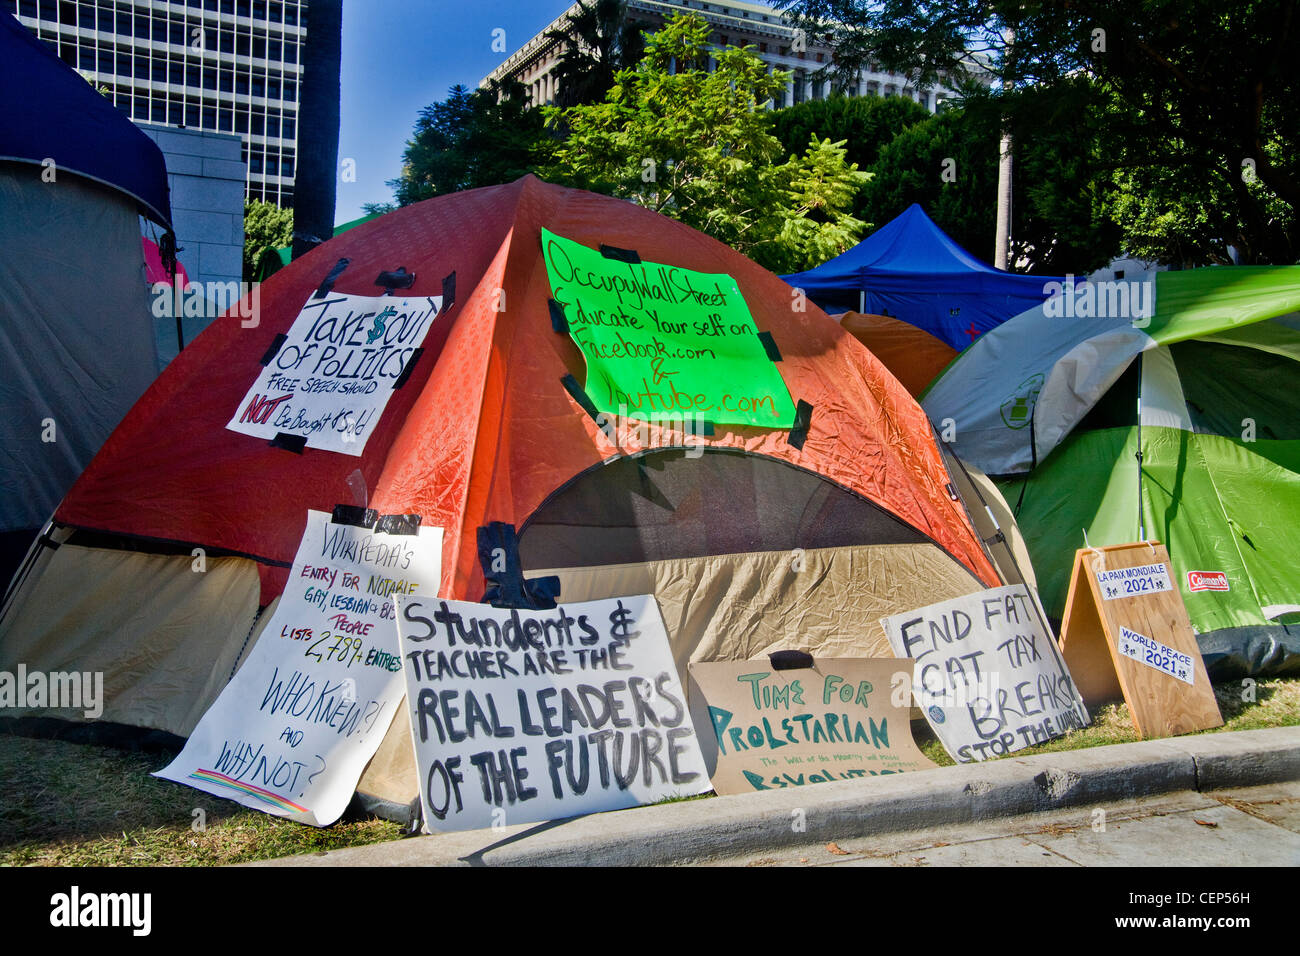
(316, 182)
(598, 40)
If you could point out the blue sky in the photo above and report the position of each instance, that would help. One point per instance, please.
(401, 55)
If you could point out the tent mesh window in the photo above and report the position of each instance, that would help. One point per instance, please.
(666, 505)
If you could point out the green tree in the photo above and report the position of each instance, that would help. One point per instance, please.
(1207, 99)
(471, 139)
(1061, 219)
(865, 123)
(598, 40)
(696, 144)
(267, 228)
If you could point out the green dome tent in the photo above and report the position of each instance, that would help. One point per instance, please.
(1049, 402)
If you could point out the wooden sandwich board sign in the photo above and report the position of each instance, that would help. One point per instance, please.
(1126, 634)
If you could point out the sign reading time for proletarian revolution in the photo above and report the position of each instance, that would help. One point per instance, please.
(662, 342)
(331, 377)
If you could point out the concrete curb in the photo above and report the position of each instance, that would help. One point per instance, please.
(726, 826)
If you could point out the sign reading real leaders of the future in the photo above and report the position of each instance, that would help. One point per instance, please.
(768, 729)
(294, 729)
(989, 677)
(524, 716)
(332, 375)
(662, 342)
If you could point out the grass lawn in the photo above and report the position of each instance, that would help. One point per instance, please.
(67, 804)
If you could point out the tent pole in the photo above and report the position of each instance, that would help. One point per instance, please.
(1142, 534)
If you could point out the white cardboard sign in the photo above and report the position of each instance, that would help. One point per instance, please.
(525, 716)
(988, 676)
(331, 378)
(295, 727)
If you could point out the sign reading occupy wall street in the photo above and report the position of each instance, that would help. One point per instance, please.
(332, 376)
(989, 677)
(662, 342)
(841, 719)
(295, 727)
(524, 716)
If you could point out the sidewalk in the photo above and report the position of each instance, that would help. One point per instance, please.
(748, 826)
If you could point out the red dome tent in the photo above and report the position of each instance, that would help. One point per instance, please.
(748, 542)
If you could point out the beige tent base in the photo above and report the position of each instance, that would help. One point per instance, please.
(168, 638)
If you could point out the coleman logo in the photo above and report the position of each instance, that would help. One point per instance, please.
(1207, 581)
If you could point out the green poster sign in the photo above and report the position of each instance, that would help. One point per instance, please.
(662, 342)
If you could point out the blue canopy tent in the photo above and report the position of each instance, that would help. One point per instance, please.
(912, 270)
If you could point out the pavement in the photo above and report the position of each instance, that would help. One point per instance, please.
(1230, 799)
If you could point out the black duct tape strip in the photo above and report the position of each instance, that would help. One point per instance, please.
(400, 279)
(293, 443)
(327, 285)
(704, 427)
(581, 397)
(769, 346)
(558, 322)
(449, 292)
(498, 545)
(410, 366)
(790, 660)
(355, 515)
(622, 255)
(399, 524)
(277, 343)
(802, 422)
(952, 491)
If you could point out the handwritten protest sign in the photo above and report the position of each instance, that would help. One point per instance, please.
(662, 342)
(522, 716)
(989, 677)
(841, 719)
(330, 379)
(293, 730)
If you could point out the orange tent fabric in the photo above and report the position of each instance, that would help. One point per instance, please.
(483, 430)
(913, 355)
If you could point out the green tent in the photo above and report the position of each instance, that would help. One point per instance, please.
(1200, 371)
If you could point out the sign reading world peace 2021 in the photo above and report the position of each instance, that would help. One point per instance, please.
(332, 376)
(662, 342)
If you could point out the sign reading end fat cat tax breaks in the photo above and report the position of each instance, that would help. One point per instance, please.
(662, 342)
(989, 677)
(524, 716)
(329, 379)
(768, 729)
(293, 730)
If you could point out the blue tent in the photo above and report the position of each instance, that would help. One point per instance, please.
(912, 270)
(50, 112)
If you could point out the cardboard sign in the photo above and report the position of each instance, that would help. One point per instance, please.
(665, 343)
(293, 730)
(841, 719)
(331, 377)
(989, 677)
(1137, 644)
(524, 716)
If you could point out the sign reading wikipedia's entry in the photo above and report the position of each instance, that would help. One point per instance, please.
(330, 379)
(295, 727)
(841, 719)
(662, 342)
(989, 677)
(524, 716)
